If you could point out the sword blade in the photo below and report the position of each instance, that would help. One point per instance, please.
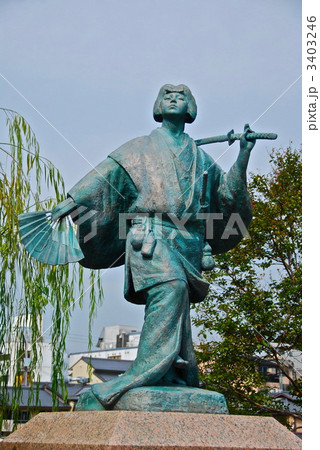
(234, 137)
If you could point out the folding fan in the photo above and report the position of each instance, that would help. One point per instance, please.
(49, 241)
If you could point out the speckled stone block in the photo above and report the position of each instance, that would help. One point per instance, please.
(126, 430)
(173, 399)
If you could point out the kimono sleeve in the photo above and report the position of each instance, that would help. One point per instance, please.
(101, 196)
(229, 199)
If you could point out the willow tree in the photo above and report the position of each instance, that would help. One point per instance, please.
(27, 287)
(254, 304)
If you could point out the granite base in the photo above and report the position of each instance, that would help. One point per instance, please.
(126, 430)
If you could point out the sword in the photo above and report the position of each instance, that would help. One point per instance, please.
(231, 137)
(203, 204)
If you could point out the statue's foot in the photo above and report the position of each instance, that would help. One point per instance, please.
(102, 392)
(88, 402)
(179, 381)
(180, 363)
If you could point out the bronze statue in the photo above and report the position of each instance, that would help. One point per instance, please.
(162, 206)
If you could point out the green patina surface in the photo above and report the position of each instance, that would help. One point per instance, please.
(162, 398)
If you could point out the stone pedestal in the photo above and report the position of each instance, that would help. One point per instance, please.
(127, 430)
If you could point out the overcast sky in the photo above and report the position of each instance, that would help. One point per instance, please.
(92, 70)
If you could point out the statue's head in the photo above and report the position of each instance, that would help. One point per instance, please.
(181, 88)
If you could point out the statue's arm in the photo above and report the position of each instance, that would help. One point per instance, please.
(49, 236)
(63, 209)
(239, 169)
(229, 198)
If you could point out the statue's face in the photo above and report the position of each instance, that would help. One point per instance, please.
(174, 103)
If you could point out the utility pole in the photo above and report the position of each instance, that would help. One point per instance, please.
(26, 359)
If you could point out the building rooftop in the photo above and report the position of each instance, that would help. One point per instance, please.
(106, 350)
(288, 400)
(45, 398)
(108, 364)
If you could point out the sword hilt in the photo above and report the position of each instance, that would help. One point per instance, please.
(204, 190)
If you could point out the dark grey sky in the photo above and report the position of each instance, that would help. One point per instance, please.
(93, 70)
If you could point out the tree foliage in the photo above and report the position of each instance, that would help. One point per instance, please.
(254, 304)
(27, 287)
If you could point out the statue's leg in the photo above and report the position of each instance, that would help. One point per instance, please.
(189, 372)
(184, 370)
(160, 341)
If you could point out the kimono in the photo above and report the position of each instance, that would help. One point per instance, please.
(150, 194)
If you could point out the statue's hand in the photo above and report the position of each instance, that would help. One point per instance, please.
(246, 145)
(245, 148)
(63, 209)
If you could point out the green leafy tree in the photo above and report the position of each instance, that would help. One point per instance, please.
(27, 287)
(254, 304)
